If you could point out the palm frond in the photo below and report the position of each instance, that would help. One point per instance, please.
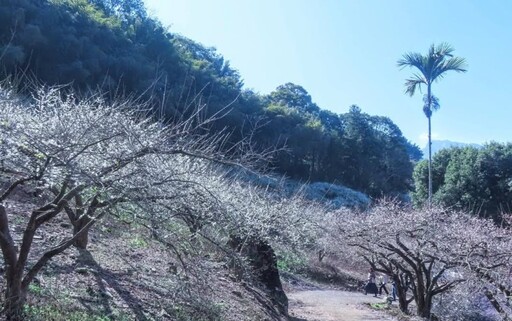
(431, 66)
(412, 83)
(434, 103)
(457, 64)
(412, 59)
(432, 50)
(430, 107)
(444, 49)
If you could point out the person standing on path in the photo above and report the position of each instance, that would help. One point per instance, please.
(371, 286)
(393, 290)
(383, 281)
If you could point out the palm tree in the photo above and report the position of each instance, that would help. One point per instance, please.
(432, 67)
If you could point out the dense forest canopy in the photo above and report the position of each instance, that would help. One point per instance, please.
(470, 178)
(114, 46)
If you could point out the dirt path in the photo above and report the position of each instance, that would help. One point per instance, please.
(333, 305)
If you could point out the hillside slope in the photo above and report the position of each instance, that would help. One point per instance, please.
(125, 274)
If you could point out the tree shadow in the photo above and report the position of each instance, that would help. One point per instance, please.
(103, 276)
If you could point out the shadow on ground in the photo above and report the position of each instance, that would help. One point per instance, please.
(104, 276)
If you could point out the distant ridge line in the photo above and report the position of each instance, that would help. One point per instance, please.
(438, 145)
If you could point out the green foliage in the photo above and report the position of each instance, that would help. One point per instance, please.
(48, 312)
(379, 306)
(380, 163)
(364, 152)
(81, 43)
(469, 178)
(283, 110)
(127, 10)
(138, 242)
(35, 289)
(294, 96)
(420, 177)
(84, 7)
(291, 262)
(431, 66)
(314, 124)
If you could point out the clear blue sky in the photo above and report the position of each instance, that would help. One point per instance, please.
(344, 52)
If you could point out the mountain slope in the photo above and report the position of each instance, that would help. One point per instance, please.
(115, 48)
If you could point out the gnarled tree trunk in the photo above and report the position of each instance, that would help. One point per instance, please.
(425, 309)
(17, 280)
(80, 217)
(15, 293)
(15, 297)
(264, 263)
(81, 240)
(401, 292)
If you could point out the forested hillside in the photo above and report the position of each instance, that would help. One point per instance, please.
(113, 46)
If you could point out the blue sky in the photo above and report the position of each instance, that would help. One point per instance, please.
(344, 52)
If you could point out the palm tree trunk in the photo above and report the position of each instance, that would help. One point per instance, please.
(429, 163)
(429, 115)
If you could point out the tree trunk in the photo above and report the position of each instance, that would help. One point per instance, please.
(263, 262)
(82, 240)
(424, 309)
(429, 116)
(419, 292)
(401, 291)
(80, 217)
(402, 301)
(422, 293)
(429, 163)
(14, 293)
(15, 297)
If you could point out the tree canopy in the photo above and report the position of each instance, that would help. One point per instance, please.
(429, 252)
(470, 178)
(84, 161)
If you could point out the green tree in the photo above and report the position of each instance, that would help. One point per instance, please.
(294, 96)
(364, 151)
(395, 166)
(494, 166)
(432, 67)
(471, 179)
(441, 163)
(461, 181)
(376, 160)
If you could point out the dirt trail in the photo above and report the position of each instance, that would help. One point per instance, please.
(333, 305)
